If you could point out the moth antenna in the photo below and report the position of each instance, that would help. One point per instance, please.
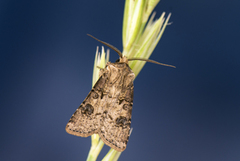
(109, 45)
(151, 61)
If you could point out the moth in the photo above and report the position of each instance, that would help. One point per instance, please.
(107, 109)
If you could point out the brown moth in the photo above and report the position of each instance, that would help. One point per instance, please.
(107, 109)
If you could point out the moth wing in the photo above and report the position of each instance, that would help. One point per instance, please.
(86, 119)
(116, 120)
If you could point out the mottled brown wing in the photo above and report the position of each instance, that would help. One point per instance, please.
(116, 118)
(86, 120)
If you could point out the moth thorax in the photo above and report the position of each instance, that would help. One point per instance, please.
(123, 59)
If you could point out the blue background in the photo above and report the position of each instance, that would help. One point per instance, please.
(191, 113)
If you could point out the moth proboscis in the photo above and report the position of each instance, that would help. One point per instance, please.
(107, 109)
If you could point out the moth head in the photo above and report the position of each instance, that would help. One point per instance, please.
(124, 59)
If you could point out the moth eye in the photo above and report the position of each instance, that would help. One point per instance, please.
(94, 95)
(88, 109)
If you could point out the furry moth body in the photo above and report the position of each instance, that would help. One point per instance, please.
(107, 109)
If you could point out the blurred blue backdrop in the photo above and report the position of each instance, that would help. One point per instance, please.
(191, 113)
